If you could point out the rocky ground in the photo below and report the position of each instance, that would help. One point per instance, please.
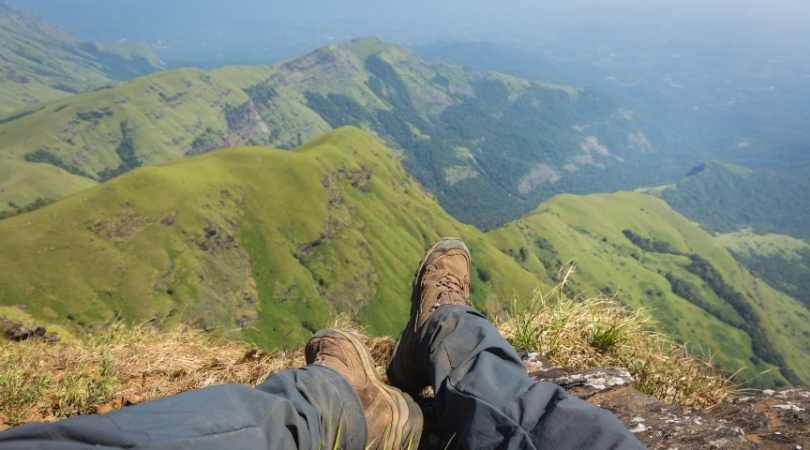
(746, 420)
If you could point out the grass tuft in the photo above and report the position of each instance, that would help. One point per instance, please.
(599, 332)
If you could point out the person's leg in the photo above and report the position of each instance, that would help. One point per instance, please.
(303, 409)
(484, 397)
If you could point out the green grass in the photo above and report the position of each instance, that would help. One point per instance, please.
(748, 243)
(20, 389)
(589, 230)
(220, 241)
(781, 261)
(23, 183)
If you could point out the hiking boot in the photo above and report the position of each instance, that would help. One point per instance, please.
(393, 419)
(443, 278)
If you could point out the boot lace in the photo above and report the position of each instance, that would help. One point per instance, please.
(450, 287)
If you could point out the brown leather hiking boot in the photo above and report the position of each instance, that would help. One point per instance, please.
(443, 278)
(393, 419)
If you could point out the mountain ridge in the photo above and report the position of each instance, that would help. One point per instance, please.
(489, 146)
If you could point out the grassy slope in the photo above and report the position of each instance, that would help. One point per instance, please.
(590, 229)
(489, 146)
(23, 182)
(782, 261)
(747, 243)
(262, 242)
(39, 62)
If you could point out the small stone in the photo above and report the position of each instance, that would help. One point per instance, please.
(788, 407)
(640, 428)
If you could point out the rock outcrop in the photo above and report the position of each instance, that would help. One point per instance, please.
(16, 331)
(749, 419)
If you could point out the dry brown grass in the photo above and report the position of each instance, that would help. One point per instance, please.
(600, 332)
(123, 366)
(129, 365)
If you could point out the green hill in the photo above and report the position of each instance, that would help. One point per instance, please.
(782, 261)
(727, 198)
(490, 147)
(635, 247)
(79, 141)
(266, 244)
(40, 62)
(763, 218)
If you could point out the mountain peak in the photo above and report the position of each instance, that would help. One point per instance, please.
(360, 48)
(366, 46)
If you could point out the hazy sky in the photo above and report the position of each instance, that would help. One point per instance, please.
(236, 29)
(713, 71)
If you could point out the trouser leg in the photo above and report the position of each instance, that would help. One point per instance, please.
(486, 400)
(301, 409)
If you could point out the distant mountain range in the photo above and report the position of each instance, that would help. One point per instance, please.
(40, 62)
(489, 146)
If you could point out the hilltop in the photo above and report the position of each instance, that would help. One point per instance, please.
(267, 245)
(40, 62)
(264, 244)
(489, 146)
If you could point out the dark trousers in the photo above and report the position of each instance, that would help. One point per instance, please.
(484, 400)
(301, 409)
